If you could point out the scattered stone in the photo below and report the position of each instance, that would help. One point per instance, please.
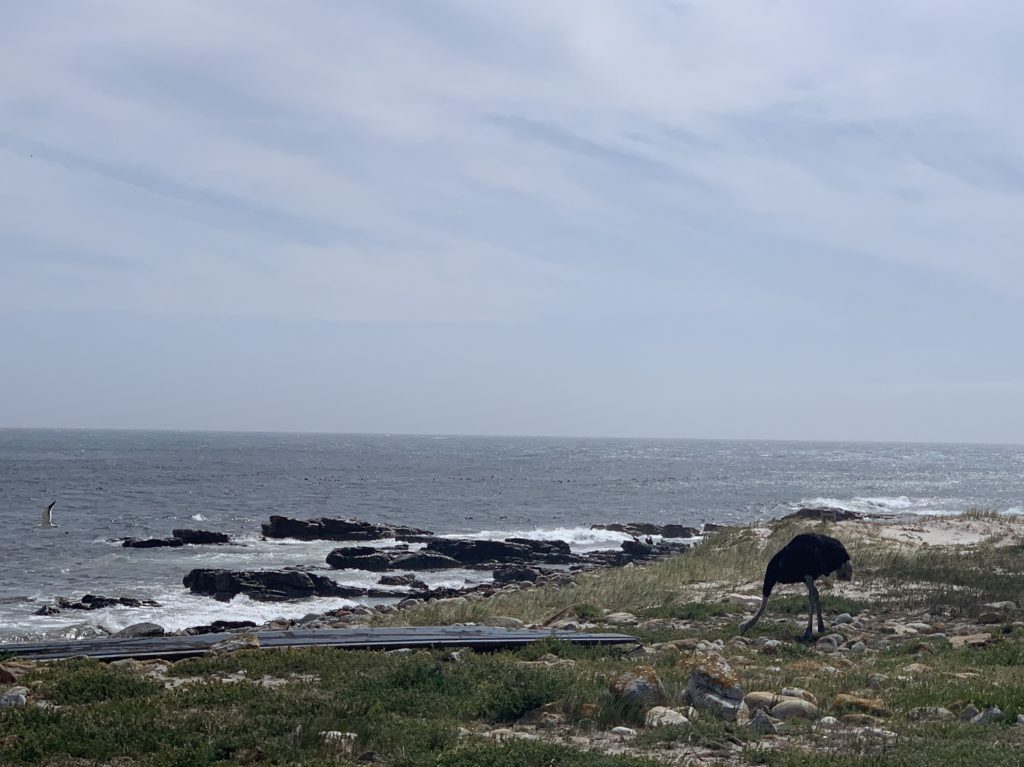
(796, 692)
(916, 668)
(760, 699)
(921, 628)
(827, 644)
(1020, 718)
(771, 647)
(970, 640)
(621, 619)
(660, 716)
(793, 708)
(861, 720)
(864, 705)
(11, 671)
(623, 732)
(640, 686)
(828, 722)
(843, 618)
(1003, 606)
(990, 618)
(763, 724)
(743, 600)
(876, 681)
(989, 715)
(970, 711)
(15, 697)
(936, 713)
(235, 643)
(504, 621)
(858, 647)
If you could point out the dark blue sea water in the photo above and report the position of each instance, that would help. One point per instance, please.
(109, 484)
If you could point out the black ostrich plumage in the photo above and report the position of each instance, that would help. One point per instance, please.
(810, 554)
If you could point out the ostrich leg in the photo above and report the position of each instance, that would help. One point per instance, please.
(810, 607)
(817, 603)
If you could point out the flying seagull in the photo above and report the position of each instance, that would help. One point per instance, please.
(48, 516)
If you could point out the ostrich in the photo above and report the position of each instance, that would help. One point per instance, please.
(806, 557)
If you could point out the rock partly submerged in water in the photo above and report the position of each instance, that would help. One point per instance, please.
(326, 529)
(379, 560)
(199, 537)
(93, 602)
(272, 585)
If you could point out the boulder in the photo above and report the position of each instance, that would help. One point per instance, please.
(198, 537)
(553, 552)
(138, 630)
(152, 543)
(323, 528)
(357, 558)
(423, 560)
(234, 644)
(826, 513)
(407, 579)
(218, 627)
(477, 552)
(856, 703)
(641, 686)
(515, 574)
(970, 640)
(660, 716)
(265, 585)
(712, 686)
(93, 602)
(793, 708)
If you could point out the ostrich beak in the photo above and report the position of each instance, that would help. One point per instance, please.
(845, 572)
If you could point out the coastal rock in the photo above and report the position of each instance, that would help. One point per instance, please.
(139, 630)
(515, 574)
(152, 543)
(641, 686)
(323, 528)
(552, 551)
(199, 537)
(423, 560)
(218, 627)
(264, 585)
(93, 602)
(643, 529)
(14, 697)
(403, 580)
(712, 686)
(824, 513)
(477, 552)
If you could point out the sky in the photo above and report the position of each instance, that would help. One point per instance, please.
(783, 219)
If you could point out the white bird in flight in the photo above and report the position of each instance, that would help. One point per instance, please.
(48, 516)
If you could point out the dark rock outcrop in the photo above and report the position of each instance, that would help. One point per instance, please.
(93, 602)
(139, 630)
(199, 536)
(641, 529)
(478, 552)
(827, 513)
(275, 585)
(406, 579)
(323, 528)
(377, 560)
(515, 573)
(218, 627)
(152, 543)
(553, 552)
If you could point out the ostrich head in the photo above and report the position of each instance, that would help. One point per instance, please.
(845, 572)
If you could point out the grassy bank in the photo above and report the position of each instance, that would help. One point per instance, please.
(551, 704)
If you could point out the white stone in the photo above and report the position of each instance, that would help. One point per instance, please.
(623, 732)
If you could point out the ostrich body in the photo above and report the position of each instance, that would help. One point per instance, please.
(807, 557)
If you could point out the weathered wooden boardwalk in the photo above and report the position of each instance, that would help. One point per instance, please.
(175, 647)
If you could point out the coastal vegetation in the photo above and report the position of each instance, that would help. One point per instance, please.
(929, 632)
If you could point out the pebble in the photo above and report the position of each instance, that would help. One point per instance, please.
(969, 712)
(858, 647)
(930, 712)
(828, 722)
(843, 618)
(1020, 719)
(771, 647)
(623, 732)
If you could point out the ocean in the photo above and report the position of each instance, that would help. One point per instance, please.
(112, 484)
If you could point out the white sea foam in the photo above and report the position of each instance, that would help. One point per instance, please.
(198, 518)
(580, 539)
(898, 505)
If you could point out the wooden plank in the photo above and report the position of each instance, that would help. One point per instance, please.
(362, 638)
